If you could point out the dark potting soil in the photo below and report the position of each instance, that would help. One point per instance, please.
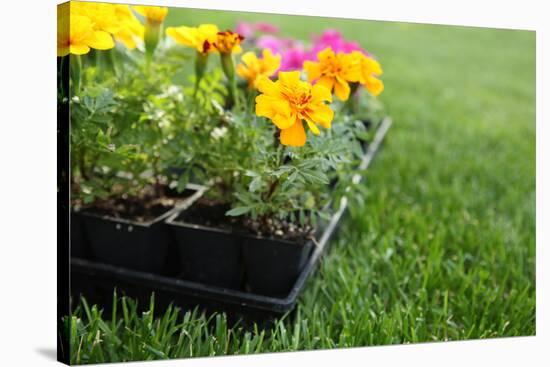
(141, 209)
(278, 229)
(210, 213)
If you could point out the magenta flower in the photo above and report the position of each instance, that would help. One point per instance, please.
(333, 39)
(249, 30)
(264, 27)
(292, 51)
(293, 58)
(245, 29)
(276, 45)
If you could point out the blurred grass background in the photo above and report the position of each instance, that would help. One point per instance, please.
(444, 246)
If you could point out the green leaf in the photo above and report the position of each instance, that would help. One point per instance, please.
(255, 184)
(240, 210)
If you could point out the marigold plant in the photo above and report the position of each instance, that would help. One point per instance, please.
(139, 127)
(369, 71)
(334, 71)
(252, 68)
(289, 101)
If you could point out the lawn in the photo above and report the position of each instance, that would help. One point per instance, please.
(443, 247)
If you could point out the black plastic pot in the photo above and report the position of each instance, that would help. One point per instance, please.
(272, 265)
(208, 255)
(134, 245)
(79, 245)
(96, 280)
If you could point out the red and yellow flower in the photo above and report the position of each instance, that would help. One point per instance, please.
(253, 68)
(228, 42)
(289, 101)
(334, 71)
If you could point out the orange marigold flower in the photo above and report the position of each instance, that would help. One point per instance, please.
(369, 70)
(228, 42)
(334, 71)
(289, 101)
(253, 68)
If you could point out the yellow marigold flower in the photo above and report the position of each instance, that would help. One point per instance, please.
(76, 34)
(152, 14)
(102, 15)
(289, 101)
(334, 71)
(131, 28)
(253, 69)
(201, 38)
(369, 69)
(228, 42)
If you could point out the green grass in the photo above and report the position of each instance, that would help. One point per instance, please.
(443, 247)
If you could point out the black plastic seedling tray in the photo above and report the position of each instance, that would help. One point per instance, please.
(96, 281)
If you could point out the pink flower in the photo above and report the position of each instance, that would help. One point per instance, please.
(266, 28)
(245, 29)
(332, 38)
(276, 45)
(293, 58)
(292, 52)
(248, 30)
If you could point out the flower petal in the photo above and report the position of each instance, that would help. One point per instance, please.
(237, 49)
(283, 122)
(249, 58)
(320, 93)
(374, 86)
(79, 49)
(341, 89)
(321, 114)
(268, 87)
(326, 54)
(326, 81)
(209, 31)
(313, 70)
(295, 135)
(313, 127)
(185, 35)
(271, 63)
(268, 106)
(289, 77)
(101, 41)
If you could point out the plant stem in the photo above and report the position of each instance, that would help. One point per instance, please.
(229, 70)
(75, 70)
(82, 164)
(351, 103)
(153, 33)
(280, 155)
(201, 60)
